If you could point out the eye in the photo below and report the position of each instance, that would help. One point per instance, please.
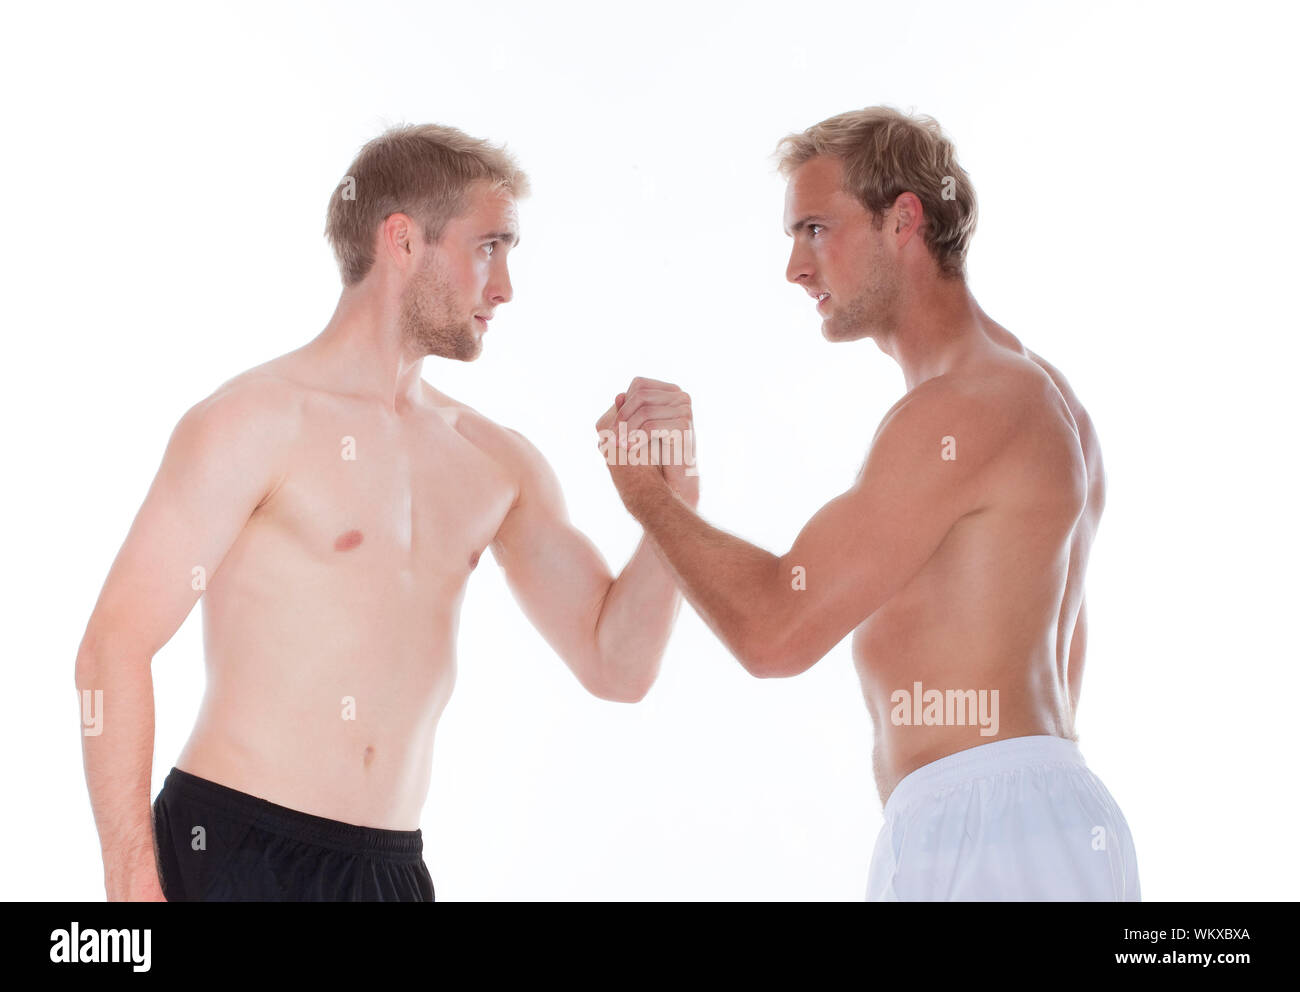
(490, 246)
(813, 229)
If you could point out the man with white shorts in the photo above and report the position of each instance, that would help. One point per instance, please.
(956, 559)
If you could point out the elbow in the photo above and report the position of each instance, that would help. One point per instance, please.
(623, 687)
(773, 657)
(623, 693)
(103, 649)
(753, 658)
(771, 667)
(773, 640)
(86, 670)
(628, 695)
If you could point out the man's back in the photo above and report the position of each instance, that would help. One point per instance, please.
(989, 622)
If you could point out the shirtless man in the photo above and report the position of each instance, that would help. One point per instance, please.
(957, 558)
(328, 507)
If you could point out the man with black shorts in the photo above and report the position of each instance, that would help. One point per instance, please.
(329, 507)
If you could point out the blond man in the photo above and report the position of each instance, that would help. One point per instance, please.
(957, 557)
(329, 507)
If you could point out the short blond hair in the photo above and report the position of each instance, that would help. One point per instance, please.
(885, 153)
(424, 170)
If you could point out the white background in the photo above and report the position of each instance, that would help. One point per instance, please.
(164, 185)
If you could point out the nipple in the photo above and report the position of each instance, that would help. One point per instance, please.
(348, 541)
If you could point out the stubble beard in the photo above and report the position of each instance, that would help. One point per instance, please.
(431, 320)
(873, 311)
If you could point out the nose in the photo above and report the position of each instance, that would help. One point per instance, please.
(798, 269)
(500, 291)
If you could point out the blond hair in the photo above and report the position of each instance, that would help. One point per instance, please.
(885, 153)
(424, 170)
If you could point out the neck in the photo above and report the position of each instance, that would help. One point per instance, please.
(941, 324)
(364, 350)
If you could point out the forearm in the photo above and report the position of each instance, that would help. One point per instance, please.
(731, 583)
(115, 698)
(636, 622)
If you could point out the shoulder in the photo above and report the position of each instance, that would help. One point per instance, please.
(509, 448)
(978, 412)
(477, 428)
(255, 407)
(1084, 427)
(1041, 463)
(982, 432)
(237, 440)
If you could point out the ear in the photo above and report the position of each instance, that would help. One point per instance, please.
(398, 238)
(908, 216)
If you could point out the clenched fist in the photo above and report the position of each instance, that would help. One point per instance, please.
(648, 438)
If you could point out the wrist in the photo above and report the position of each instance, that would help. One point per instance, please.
(124, 863)
(137, 882)
(649, 494)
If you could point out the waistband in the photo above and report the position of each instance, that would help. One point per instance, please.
(980, 762)
(293, 823)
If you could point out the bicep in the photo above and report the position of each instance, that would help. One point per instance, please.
(863, 546)
(554, 571)
(215, 471)
(859, 550)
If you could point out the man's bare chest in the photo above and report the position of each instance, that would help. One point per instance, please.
(412, 496)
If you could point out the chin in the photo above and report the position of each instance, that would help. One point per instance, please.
(835, 332)
(467, 351)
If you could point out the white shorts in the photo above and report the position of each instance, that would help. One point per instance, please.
(1018, 819)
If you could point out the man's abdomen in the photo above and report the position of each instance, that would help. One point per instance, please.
(333, 717)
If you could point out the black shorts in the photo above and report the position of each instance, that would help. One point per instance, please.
(252, 850)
